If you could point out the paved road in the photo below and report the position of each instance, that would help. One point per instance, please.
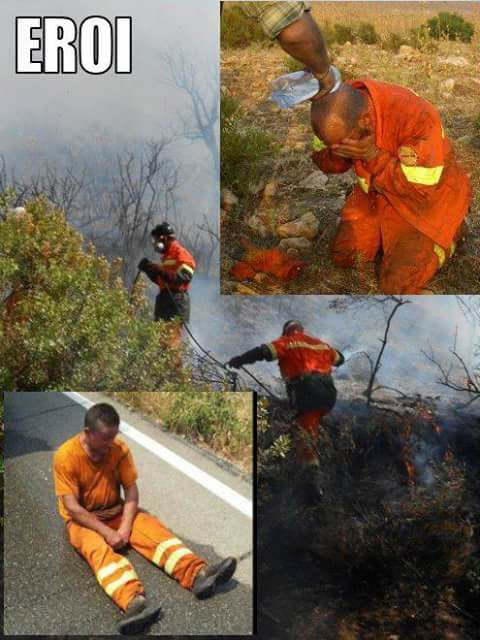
(50, 590)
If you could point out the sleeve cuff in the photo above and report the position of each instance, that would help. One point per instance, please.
(377, 164)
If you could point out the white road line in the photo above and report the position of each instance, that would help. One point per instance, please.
(244, 505)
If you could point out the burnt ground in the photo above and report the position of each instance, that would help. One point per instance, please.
(384, 555)
(246, 74)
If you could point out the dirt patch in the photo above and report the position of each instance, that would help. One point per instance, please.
(246, 75)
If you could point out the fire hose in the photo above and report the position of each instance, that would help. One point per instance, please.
(231, 374)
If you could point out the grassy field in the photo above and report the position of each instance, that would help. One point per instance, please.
(220, 422)
(246, 75)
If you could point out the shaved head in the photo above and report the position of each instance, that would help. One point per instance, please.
(337, 115)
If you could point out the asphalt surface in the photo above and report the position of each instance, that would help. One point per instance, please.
(50, 590)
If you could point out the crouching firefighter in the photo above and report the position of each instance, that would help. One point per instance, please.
(172, 274)
(306, 365)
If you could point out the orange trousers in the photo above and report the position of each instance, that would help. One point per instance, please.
(307, 436)
(368, 224)
(150, 538)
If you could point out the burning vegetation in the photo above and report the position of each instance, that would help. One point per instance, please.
(392, 549)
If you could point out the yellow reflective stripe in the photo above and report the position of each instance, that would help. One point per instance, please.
(174, 558)
(124, 578)
(453, 248)
(422, 175)
(363, 183)
(318, 145)
(337, 357)
(306, 345)
(160, 550)
(440, 253)
(273, 351)
(111, 568)
(185, 267)
(167, 263)
(443, 131)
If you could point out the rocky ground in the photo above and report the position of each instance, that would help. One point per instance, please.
(296, 207)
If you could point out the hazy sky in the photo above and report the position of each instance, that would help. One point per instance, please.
(36, 110)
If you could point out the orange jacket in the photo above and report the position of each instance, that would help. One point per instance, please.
(415, 171)
(299, 353)
(95, 485)
(175, 259)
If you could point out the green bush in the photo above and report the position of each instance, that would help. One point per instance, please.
(67, 321)
(212, 417)
(238, 30)
(244, 149)
(366, 33)
(419, 38)
(393, 42)
(344, 34)
(450, 26)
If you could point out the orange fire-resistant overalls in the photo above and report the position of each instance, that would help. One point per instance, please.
(97, 486)
(410, 199)
(300, 355)
(174, 301)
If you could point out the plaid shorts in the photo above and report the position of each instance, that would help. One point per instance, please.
(275, 16)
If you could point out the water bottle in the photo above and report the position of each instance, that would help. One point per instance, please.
(294, 88)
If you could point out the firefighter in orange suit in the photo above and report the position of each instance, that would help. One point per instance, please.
(89, 471)
(173, 274)
(411, 196)
(306, 366)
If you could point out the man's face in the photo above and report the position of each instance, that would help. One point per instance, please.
(100, 441)
(160, 243)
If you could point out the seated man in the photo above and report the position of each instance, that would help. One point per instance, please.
(88, 471)
(411, 197)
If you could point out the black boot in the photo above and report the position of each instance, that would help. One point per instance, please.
(138, 615)
(209, 578)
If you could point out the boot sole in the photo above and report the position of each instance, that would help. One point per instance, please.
(138, 622)
(214, 581)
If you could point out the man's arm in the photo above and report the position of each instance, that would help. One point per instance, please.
(263, 352)
(86, 519)
(303, 40)
(130, 509)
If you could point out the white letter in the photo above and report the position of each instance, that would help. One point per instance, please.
(123, 62)
(59, 51)
(96, 45)
(25, 45)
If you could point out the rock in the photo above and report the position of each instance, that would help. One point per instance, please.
(228, 200)
(406, 51)
(315, 181)
(456, 61)
(347, 44)
(447, 86)
(353, 60)
(270, 189)
(295, 246)
(245, 291)
(305, 227)
(345, 179)
(257, 224)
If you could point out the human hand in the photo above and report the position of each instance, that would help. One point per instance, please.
(142, 264)
(115, 539)
(124, 532)
(364, 149)
(235, 362)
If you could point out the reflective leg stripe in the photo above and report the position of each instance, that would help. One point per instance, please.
(111, 568)
(162, 547)
(174, 558)
(127, 576)
(185, 267)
